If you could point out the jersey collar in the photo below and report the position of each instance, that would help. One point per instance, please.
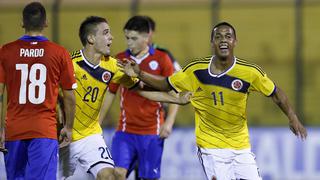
(151, 51)
(33, 38)
(88, 63)
(223, 73)
(139, 60)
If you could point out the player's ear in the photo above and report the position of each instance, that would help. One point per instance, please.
(235, 42)
(46, 23)
(90, 38)
(146, 37)
(22, 24)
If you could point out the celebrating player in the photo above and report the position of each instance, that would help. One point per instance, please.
(220, 85)
(88, 155)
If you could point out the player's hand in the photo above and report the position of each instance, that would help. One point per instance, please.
(298, 129)
(184, 97)
(2, 137)
(65, 137)
(129, 67)
(165, 130)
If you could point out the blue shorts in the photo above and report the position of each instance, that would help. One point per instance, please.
(146, 150)
(32, 159)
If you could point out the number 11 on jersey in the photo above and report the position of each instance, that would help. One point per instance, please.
(217, 97)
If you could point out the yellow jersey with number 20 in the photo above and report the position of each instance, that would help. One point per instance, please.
(93, 82)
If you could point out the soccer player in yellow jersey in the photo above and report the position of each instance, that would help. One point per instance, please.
(88, 156)
(220, 85)
(94, 70)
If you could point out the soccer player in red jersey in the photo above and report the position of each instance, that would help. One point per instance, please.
(32, 68)
(137, 139)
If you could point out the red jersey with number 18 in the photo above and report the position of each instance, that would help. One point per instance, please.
(32, 68)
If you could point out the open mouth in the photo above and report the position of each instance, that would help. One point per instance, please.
(223, 46)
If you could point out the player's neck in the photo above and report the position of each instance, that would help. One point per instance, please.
(92, 57)
(220, 65)
(33, 33)
(142, 53)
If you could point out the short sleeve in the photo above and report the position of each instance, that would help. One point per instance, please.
(167, 66)
(113, 87)
(263, 84)
(123, 79)
(180, 81)
(67, 79)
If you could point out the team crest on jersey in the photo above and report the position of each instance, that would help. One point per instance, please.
(84, 77)
(106, 76)
(153, 65)
(236, 84)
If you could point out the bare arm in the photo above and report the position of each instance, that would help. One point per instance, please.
(166, 97)
(106, 104)
(170, 97)
(166, 128)
(132, 69)
(282, 101)
(69, 109)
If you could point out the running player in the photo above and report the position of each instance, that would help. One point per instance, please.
(94, 70)
(220, 85)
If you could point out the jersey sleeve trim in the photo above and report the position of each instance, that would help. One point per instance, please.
(274, 91)
(171, 86)
(135, 85)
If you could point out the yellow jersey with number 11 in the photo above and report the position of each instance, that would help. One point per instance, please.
(220, 101)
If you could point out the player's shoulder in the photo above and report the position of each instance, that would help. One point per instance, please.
(159, 52)
(108, 60)
(10, 45)
(76, 55)
(56, 46)
(109, 63)
(249, 66)
(122, 54)
(197, 63)
(162, 49)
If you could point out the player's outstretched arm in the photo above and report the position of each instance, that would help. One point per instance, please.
(69, 109)
(166, 97)
(281, 99)
(132, 69)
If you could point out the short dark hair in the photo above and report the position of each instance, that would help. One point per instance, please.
(223, 24)
(152, 24)
(138, 23)
(34, 16)
(88, 26)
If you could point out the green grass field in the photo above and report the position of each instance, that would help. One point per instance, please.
(265, 36)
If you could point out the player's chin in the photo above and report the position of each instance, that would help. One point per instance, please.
(223, 54)
(106, 53)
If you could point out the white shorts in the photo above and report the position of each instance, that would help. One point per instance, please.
(90, 154)
(227, 164)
